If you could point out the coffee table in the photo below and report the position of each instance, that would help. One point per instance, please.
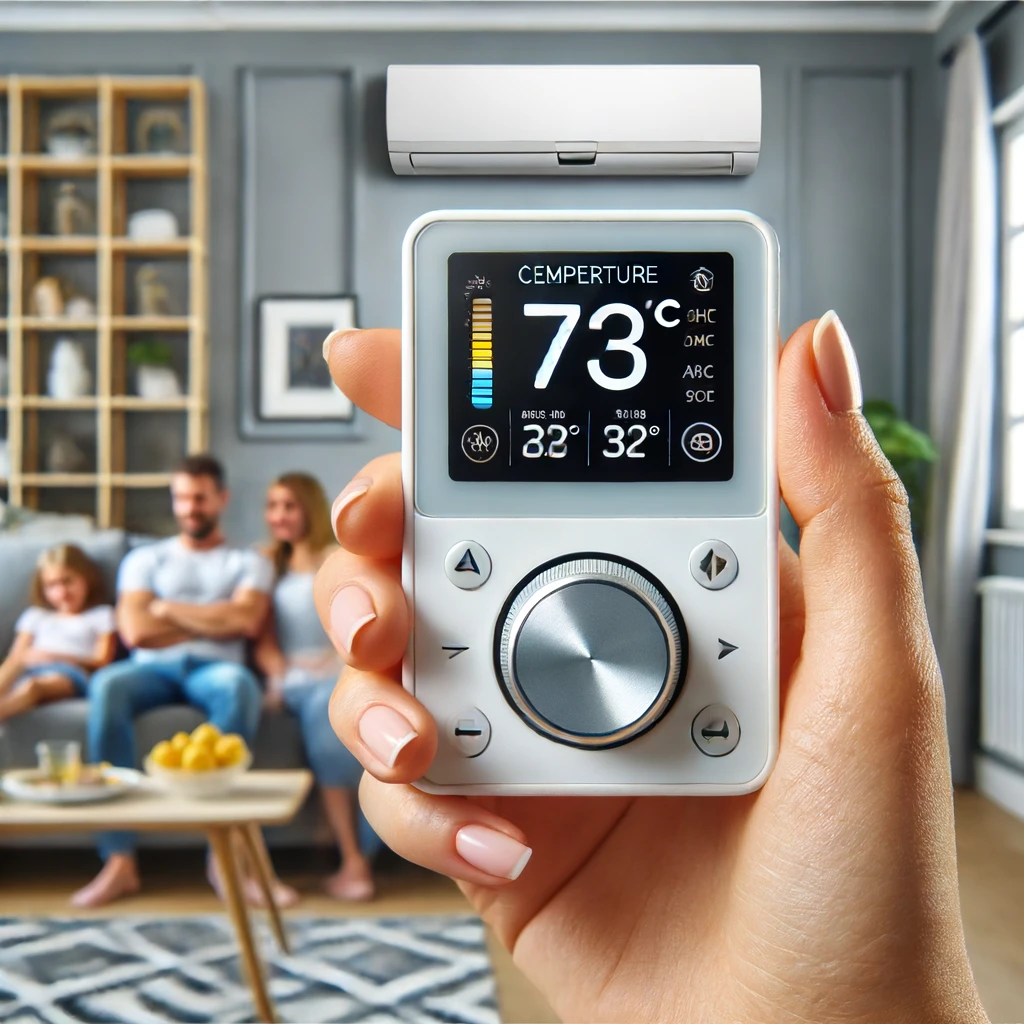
(232, 823)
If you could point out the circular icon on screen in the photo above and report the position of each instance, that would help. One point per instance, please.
(702, 442)
(479, 443)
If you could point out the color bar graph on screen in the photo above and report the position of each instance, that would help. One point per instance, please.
(482, 383)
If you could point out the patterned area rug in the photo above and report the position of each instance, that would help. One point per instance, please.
(145, 970)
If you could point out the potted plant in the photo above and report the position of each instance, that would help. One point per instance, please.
(909, 450)
(155, 378)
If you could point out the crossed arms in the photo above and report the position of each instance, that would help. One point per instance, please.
(150, 622)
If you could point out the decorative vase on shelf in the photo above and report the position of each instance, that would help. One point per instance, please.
(156, 383)
(69, 375)
(79, 307)
(65, 455)
(152, 226)
(155, 379)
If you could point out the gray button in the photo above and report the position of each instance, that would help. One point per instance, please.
(590, 652)
(469, 732)
(716, 730)
(714, 564)
(467, 565)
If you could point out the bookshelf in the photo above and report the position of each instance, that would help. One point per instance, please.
(101, 263)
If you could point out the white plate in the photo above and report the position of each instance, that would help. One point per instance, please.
(18, 785)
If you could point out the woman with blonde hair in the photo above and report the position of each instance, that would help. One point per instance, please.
(301, 668)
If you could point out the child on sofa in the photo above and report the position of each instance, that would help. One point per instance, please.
(65, 634)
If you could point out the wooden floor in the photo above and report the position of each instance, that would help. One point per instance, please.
(991, 853)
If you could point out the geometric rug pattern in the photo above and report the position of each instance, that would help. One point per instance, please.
(153, 970)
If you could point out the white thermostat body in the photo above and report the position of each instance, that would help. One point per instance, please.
(591, 500)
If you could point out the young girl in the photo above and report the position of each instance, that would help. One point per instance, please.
(66, 634)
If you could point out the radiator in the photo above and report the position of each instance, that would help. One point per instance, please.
(1002, 668)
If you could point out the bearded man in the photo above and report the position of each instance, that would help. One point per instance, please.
(186, 606)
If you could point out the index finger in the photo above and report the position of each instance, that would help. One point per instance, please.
(367, 366)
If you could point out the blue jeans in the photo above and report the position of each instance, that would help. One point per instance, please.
(227, 693)
(329, 758)
(78, 677)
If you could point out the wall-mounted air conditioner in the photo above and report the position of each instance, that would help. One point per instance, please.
(561, 119)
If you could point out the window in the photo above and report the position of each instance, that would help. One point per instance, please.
(1013, 324)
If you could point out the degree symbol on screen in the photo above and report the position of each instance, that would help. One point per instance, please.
(659, 312)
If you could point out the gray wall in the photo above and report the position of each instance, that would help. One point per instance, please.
(847, 178)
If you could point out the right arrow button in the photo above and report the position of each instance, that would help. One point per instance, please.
(726, 648)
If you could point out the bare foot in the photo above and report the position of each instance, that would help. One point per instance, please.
(118, 877)
(284, 895)
(352, 883)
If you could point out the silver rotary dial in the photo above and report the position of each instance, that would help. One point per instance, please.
(590, 652)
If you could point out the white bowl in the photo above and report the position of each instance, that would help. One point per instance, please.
(198, 785)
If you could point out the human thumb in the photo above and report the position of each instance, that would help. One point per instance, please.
(862, 589)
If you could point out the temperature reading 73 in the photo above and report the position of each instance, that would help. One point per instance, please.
(570, 316)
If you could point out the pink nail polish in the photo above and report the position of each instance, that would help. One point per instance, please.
(836, 365)
(351, 610)
(492, 851)
(354, 490)
(385, 732)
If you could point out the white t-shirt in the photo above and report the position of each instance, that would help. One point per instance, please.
(75, 636)
(173, 572)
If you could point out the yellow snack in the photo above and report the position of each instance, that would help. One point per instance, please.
(197, 757)
(229, 749)
(206, 733)
(166, 755)
(180, 740)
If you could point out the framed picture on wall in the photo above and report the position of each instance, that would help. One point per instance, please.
(292, 384)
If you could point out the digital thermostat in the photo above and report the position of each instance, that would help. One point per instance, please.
(591, 499)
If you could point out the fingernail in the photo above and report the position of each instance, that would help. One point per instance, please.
(836, 363)
(335, 337)
(492, 851)
(385, 732)
(354, 489)
(351, 609)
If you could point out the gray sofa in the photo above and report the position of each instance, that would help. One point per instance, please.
(278, 744)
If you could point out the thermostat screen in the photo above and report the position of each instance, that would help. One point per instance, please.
(579, 366)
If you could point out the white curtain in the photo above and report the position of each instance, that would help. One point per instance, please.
(961, 387)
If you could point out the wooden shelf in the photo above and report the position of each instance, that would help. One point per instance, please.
(133, 403)
(59, 479)
(144, 166)
(59, 86)
(151, 87)
(134, 247)
(150, 323)
(43, 163)
(141, 480)
(58, 323)
(47, 402)
(70, 244)
(106, 179)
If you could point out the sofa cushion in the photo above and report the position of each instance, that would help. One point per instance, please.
(18, 556)
(278, 742)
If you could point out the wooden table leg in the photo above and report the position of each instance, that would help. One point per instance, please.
(252, 835)
(220, 841)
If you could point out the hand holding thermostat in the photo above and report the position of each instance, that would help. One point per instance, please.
(830, 894)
